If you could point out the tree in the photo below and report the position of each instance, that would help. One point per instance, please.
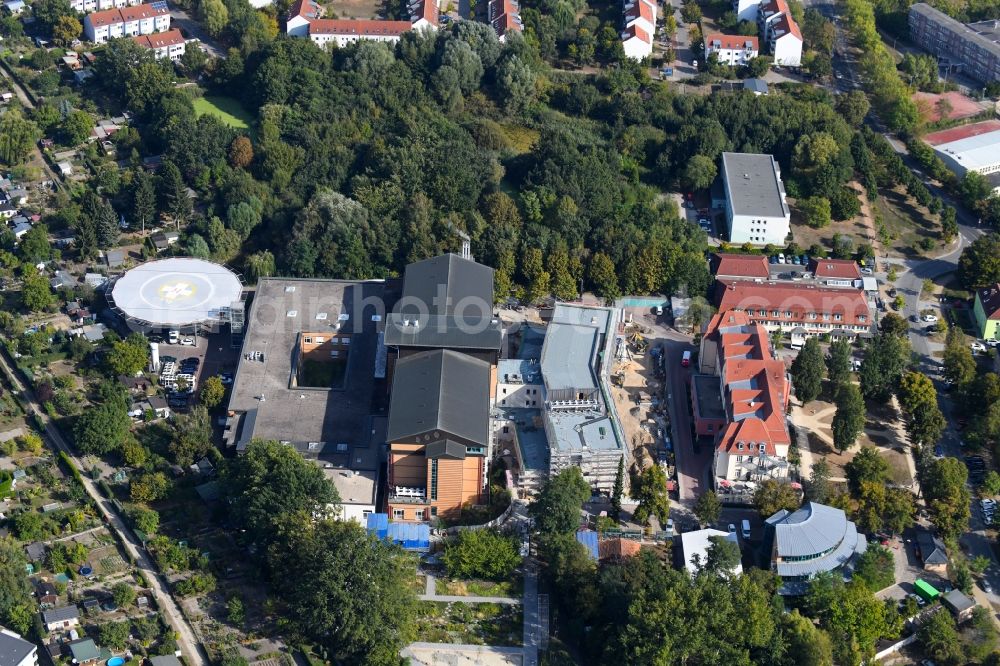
(260, 264)
(699, 173)
(481, 554)
(241, 152)
(876, 568)
(853, 106)
(144, 519)
(214, 15)
(807, 371)
(892, 324)
(212, 392)
(959, 365)
(556, 509)
(940, 640)
(235, 611)
(772, 496)
(362, 613)
(114, 634)
(149, 487)
(651, 490)
(173, 191)
(818, 489)
(978, 267)
(991, 483)
(102, 429)
(17, 605)
(849, 418)
(722, 556)
(851, 614)
(76, 126)
(807, 645)
(17, 136)
(272, 482)
(129, 356)
(603, 276)
(815, 212)
(885, 359)
(708, 508)
(838, 362)
(515, 84)
(947, 497)
(194, 59)
(123, 594)
(866, 466)
(924, 421)
(192, 437)
(34, 245)
(619, 489)
(143, 199)
(898, 511)
(537, 278)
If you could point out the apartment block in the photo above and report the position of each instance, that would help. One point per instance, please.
(147, 19)
(974, 48)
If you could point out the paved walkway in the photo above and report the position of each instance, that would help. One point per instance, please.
(532, 627)
(468, 599)
(192, 650)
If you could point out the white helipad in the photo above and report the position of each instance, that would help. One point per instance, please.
(179, 291)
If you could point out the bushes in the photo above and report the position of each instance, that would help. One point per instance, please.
(196, 584)
(481, 554)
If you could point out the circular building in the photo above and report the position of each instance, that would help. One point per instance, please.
(177, 293)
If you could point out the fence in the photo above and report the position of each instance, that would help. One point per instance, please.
(485, 526)
(895, 647)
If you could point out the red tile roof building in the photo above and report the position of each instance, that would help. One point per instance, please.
(146, 19)
(748, 425)
(638, 28)
(787, 307)
(740, 265)
(169, 44)
(304, 20)
(835, 272)
(731, 49)
(504, 17)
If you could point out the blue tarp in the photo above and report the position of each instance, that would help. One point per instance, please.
(411, 536)
(588, 539)
(378, 524)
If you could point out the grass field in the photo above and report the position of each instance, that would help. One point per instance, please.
(226, 109)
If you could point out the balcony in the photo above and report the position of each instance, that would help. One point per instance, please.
(407, 495)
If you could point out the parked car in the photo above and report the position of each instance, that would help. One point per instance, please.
(985, 584)
(732, 528)
(188, 342)
(866, 271)
(930, 319)
(772, 260)
(938, 451)
(174, 337)
(978, 347)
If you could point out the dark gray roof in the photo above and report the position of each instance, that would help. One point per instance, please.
(756, 85)
(445, 448)
(932, 550)
(440, 390)
(165, 660)
(61, 614)
(13, 648)
(958, 601)
(36, 551)
(448, 303)
(444, 284)
(84, 649)
(753, 186)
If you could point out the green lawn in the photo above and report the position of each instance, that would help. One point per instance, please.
(226, 109)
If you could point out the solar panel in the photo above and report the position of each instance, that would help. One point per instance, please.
(159, 5)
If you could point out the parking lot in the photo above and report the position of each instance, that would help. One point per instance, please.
(208, 355)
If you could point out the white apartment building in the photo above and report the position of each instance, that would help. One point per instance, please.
(88, 6)
(756, 210)
(101, 26)
(746, 10)
(505, 16)
(169, 44)
(304, 20)
(785, 41)
(15, 651)
(732, 50)
(639, 21)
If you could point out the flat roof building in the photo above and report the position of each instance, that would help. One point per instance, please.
(312, 374)
(974, 147)
(695, 546)
(987, 311)
(756, 210)
(813, 539)
(972, 47)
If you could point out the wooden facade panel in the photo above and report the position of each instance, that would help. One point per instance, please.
(408, 469)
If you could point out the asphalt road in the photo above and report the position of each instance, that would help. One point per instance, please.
(191, 649)
(692, 465)
(193, 30)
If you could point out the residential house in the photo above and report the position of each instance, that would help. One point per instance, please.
(165, 239)
(813, 539)
(64, 617)
(637, 43)
(7, 210)
(47, 594)
(739, 397)
(617, 549)
(505, 17)
(757, 86)
(798, 308)
(114, 258)
(169, 44)
(88, 6)
(748, 266)
(835, 272)
(746, 10)
(639, 28)
(960, 605)
(987, 311)
(15, 651)
(735, 50)
(95, 280)
(65, 168)
(36, 551)
(165, 660)
(305, 20)
(756, 209)
(14, 7)
(62, 279)
(145, 19)
(932, 552)
(85, 652)
(439, 434)
(781, 32)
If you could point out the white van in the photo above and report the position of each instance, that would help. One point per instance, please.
(174, 337)
(746, 529)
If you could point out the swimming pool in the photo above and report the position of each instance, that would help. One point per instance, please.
(116, 661)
